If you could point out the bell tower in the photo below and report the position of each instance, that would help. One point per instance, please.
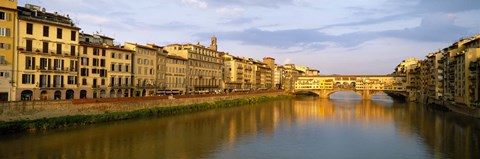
(213, 43)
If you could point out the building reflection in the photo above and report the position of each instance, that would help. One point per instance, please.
(203, 134)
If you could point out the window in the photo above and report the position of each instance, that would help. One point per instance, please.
(102, 62)
(45, 47)
(29, 28)
(58, 64)
(104, 52)
(103, 82)
(84, 81)
(112, 67)
(4, 46)
(103, 73)
(59, 33)
(2, 60)
(95, 51)
(127, 68)
(73, 65)
(3, 16)
(5, 32)
(113, 55)
(29, 45)
(73, 36)
(72, 50)
(4, 74)
(59, 49)
(46, 31)
(28, 79)
(29, 63)
(95, 62)
(84, 72)
(85, 50)
(120, 66)
(126, 57)
(43, 63)
(84, 61)
(72, 80)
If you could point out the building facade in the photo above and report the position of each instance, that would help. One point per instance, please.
(144, 62)
(176, 75)
(8, 16)
(47, 55)
(205, 66)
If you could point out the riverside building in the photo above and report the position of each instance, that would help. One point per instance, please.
(47, 55)
(205, 66)
(8, 16)
(143, 74)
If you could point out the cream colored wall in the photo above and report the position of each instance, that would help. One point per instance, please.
(37, 49)
(7, 67)
(176, 69)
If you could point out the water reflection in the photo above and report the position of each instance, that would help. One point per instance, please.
(300, 128)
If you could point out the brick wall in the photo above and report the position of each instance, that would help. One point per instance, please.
(29, 110)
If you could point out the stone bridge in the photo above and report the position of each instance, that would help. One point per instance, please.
(364, 85)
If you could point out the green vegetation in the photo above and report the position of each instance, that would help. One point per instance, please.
(82, 120)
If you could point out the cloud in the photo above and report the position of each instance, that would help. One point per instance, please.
(261, 3)
(240, 21)
(93, 19)
(433, 28)
(195, 3)
(230, 11)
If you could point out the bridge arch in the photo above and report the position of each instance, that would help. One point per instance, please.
(306, 92)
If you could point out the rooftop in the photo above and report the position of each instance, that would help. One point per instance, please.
(34, 13)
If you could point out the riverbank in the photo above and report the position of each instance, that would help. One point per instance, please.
(460, 109)
(149, 109)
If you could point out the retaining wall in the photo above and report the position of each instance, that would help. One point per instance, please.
(30, 110)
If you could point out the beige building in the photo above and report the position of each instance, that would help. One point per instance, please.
(205, 66)
(176, 75)
(8, 16)
(160, 69)
(144, 63)
(263, 76)
(411, 69)
(271, 77)
(238, 73)
(47, 55)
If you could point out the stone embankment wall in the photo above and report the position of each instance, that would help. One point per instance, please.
(30, 110)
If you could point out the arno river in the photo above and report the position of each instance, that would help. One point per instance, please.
(305, 127)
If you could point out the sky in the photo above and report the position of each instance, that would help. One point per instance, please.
(335, 37)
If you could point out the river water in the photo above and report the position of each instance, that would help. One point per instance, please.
(305, 127)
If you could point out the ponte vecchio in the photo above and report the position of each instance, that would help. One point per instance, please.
(364, 85)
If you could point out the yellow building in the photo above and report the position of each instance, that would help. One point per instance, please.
(92, 66)
(238, 73)
(143, 73)
(176, 75)
(47, 55)
(105, 69)
(204, 66)
(8, 16)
